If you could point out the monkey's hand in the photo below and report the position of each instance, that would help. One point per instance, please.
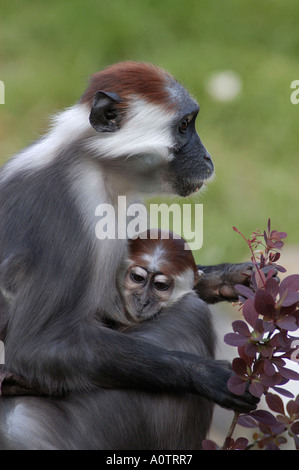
(217, 390)
(218, 282)
(15, 385)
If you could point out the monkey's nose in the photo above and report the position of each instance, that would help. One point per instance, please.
(207, 157)
(208, 162)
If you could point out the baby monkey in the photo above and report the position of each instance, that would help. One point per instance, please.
(160, 271)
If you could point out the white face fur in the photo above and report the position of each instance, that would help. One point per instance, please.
(146, 131)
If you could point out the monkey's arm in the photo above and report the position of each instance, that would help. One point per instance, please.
(218, 282)
(140, 359)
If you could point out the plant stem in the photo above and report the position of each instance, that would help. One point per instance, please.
(231, 430)
(253, 258)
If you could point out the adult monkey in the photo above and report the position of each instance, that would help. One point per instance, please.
(132, 130)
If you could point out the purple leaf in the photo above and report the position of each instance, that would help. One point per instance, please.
(265, 236)
(275, 403)
(244, 291)
(292, 309)
(277, 245)
(271, 446)
(259, 327)
(290, 283)
(288, 373)
(268, 326)
(249, 312)
(239, 366)
(269, 368)
(283, 392)
(292, 408)
(272, 286)
(240, 444)
(271, 273)
(258, 368)
(240, 327)
(271, 381)
(295, 427)
(275, 429)
(290, 299)
(280, 268)
(246, 421)
(264, 417)
(234, 339)
(251, 349)
(269, 225)
(283, 419)
(283, 235)
(264, 303)
(243, 355)
(279, 429)
(256, 389)
(288, 323)
(228, 443)
(267, 350)
(274, 235)
(236, 385)
(274, 257)
(260, 279)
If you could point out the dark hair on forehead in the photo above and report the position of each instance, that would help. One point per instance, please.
(132, 78)
(174, 257)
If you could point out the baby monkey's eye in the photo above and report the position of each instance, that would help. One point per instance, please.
(137, 278)
(161, 286)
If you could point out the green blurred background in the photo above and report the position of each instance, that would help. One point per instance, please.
(49, 49)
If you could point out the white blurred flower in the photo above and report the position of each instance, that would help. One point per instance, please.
(224, 86)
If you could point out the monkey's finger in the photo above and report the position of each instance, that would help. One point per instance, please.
(242, 404)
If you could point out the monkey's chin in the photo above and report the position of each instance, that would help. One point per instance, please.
(187, 189)
(198, 187)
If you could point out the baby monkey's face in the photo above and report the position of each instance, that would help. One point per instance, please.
(146, 292)
(159, 271)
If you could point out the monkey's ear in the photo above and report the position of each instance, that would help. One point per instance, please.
(104, 115)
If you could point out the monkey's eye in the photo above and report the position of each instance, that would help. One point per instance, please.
(137, 278)
(161, 286)
(183, 126)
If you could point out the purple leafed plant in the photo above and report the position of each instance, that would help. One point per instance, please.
(270, 310)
